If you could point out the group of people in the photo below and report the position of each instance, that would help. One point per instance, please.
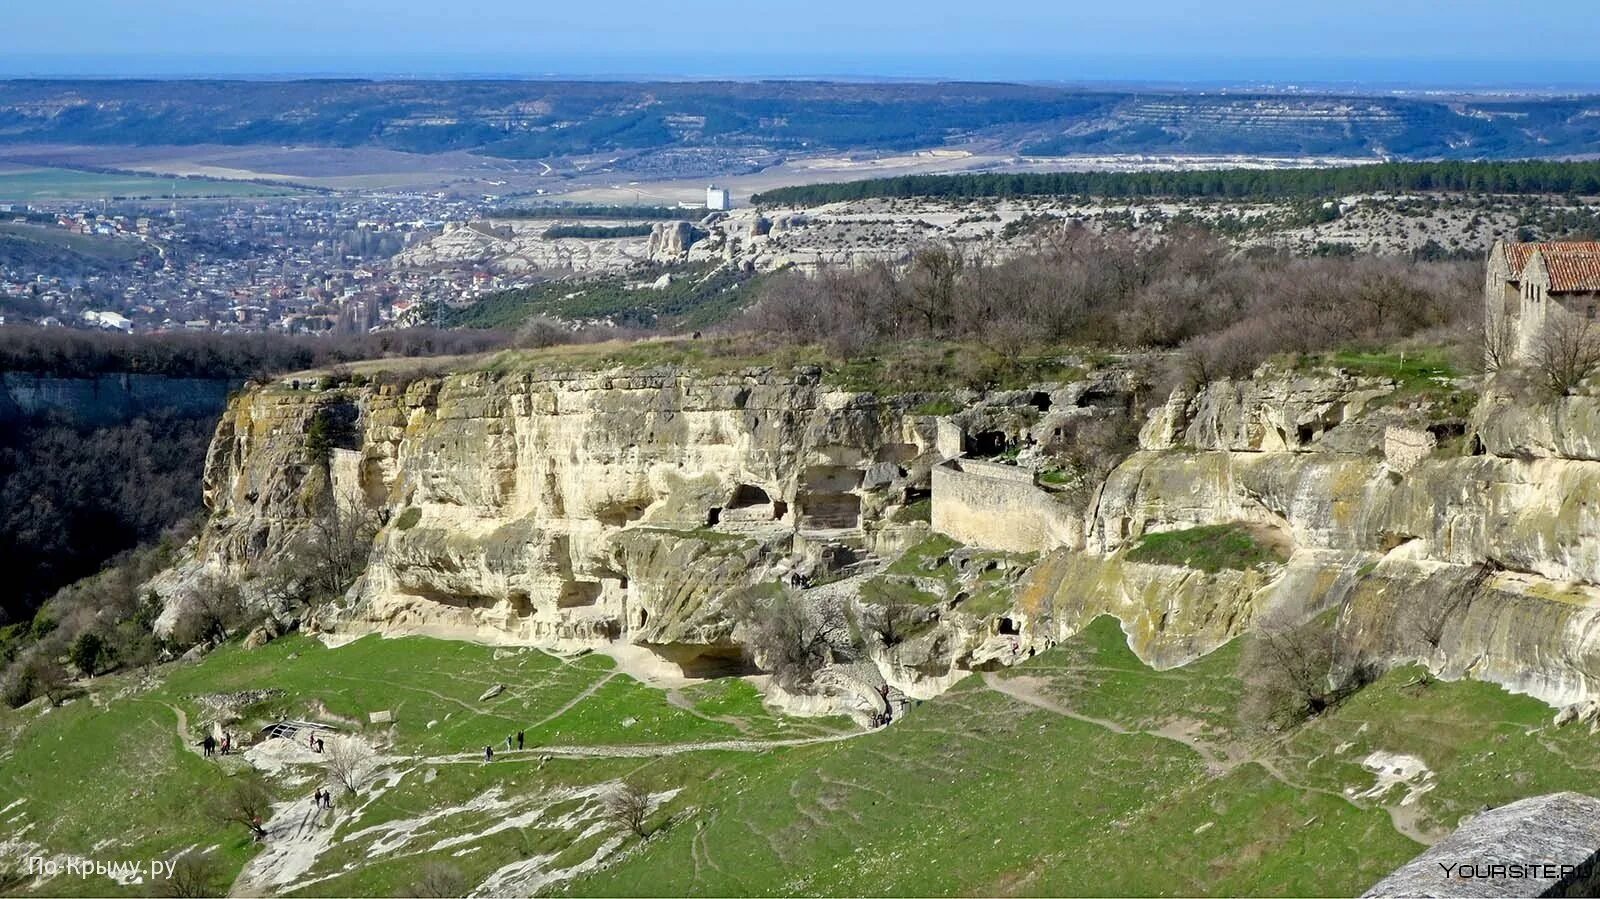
(322, 799)
(210, 744)
(519, 739)
(313, 742)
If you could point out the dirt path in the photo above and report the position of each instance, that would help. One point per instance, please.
(636, 751)
(587, 692)
(1030, 690)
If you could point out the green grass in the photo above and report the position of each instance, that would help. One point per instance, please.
(71, 184)
(1209, 548)
(975, 792)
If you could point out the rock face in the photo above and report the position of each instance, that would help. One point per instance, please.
(566, 509)
(578, 509)
(670, 241)
(110, 398)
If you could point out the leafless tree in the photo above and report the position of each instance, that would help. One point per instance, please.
(1290, 675)
(244, 799)
(1499, 342)
(628, 805)
(788, 639)
(194, 875)
(210, 609)
(438, 881)
(337, 544)
(1567, 352)
(350, 762)
(541, 331)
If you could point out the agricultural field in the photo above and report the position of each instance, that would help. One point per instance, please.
(42, 184)
(1076, 750)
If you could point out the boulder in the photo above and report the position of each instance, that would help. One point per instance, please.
(492, 692)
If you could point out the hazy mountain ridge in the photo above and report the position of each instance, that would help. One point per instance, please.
(533, 119)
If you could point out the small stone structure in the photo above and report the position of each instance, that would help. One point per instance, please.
(1543, 846)
(999, 507)
(1404, 447)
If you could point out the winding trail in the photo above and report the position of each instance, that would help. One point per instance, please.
(1029, 690)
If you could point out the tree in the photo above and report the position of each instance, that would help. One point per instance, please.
(788, 639)
(49, 677)
(211, 608)
(245, 799)
(1499, 342)
(627, 805)
(438, 881)
(1291, 674)
(89, 653)
(193, 875)
(1567, 351)
(350, 762)
(336, 545)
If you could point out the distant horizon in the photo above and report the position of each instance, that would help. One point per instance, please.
(1361, 75)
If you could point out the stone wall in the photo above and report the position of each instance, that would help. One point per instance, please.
(1403, 447)
(1000, 507)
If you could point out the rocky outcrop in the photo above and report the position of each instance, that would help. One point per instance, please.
(670, 241)
(575, 509)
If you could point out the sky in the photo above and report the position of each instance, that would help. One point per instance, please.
(1421, 42)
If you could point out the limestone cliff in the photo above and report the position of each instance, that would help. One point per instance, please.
(577, 509)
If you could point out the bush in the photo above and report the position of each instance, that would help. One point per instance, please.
(89, 653)
(408, 519)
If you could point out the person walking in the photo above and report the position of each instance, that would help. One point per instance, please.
(209, 744)
(508, 742)
(519, 739)
(488, 753)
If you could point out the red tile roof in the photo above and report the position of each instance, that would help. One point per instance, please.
(1573, 265)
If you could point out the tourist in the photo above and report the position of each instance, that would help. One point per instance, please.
(519, 739)
(208, 744)
(319, 744)
(488, 753)
(508, 742)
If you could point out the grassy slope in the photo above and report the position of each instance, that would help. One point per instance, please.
(1040, 780)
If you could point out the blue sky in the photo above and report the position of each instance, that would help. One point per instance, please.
(1438, 41)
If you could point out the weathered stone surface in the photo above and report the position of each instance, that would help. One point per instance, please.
(1551, 838)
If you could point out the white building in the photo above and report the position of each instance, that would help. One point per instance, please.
(109, 320)
(717, 199)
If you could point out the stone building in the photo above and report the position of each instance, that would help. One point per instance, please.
(1528, 286)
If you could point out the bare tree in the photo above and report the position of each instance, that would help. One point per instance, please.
(1291, 674)
(244, 799)
(350, 763)
(438, 881)
(1567, 352)
(627, 805)
(194, 875)
(1499, 342)
(211, 608)
(788, 639)
(336, 546)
